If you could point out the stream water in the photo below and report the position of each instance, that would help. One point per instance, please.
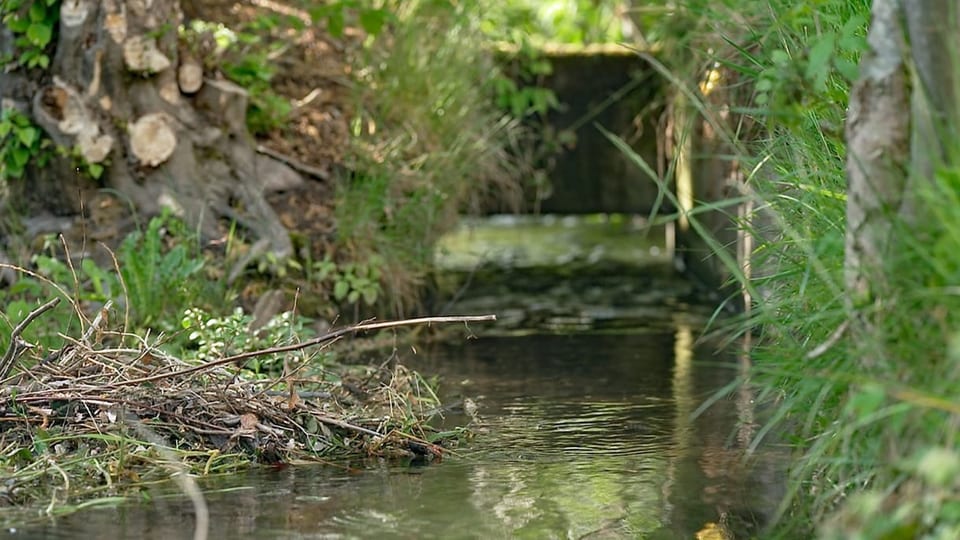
(587, 429)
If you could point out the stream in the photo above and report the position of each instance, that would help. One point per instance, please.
(586, 393)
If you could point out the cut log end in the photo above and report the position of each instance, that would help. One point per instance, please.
(140, 53)
(152, 140)
(74, 14)
(94, 149)
(189, 75)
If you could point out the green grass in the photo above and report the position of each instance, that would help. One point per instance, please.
(429, 143)
(873, 426)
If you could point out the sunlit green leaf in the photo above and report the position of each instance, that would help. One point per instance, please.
(372, 20)
(18, 25)
(28, 136)
(818, 64)
(40, 34)
(95, 170)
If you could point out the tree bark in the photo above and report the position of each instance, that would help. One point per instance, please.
(878, 134)
(901, 128)
(120, 92)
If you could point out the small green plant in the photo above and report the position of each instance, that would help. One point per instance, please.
(350, 282)
(160, 278)
(244, 57)
(524, 93)
(81, 165)
(20, 142)
(32, 23)
(216, 337)
(247, 63)
(371, 19)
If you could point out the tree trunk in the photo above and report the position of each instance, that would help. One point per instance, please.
(901, 127)
(123, 92)
(878, 131)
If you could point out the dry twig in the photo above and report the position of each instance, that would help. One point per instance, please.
(17, 345)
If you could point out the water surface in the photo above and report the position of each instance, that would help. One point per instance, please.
(581, 436)
(586, 395)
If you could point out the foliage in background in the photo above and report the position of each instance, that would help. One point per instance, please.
(578, 22)
(212, 337)
(32, 22)
(20, 142)
(161, 270)
(244, 57)
(335, 14)
(428, 142)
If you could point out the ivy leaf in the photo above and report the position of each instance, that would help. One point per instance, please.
(18, 25)
(95, 170)
(28, 135)
(14, 171)
(38, 12)
(40, 34)
(372, 20)
(20, 157)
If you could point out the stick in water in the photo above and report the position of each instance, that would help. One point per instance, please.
(309, 343)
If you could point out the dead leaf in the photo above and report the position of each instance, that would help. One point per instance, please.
(249, 421)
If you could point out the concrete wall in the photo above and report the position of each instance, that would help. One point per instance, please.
(614, 88)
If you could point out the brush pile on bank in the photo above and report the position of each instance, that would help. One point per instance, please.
(95, 419)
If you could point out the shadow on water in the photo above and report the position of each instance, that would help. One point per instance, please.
(580, 435)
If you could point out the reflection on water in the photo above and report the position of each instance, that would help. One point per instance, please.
(583, 436)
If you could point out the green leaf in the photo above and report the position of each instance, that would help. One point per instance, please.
(780, 57)
(40, 34)
(18, 25)
(95, 170)
(335, 23)
(21, 156)
(38, 12)
(28, 136)
(340, 289)
(5, 127)
(867, 400)
(372, 20)
(321, 12)
(818, 64)
(353, 296)
(13, 171)
(848, 69)
(518, 104)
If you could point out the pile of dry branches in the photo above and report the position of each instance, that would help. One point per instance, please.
(87, 388)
